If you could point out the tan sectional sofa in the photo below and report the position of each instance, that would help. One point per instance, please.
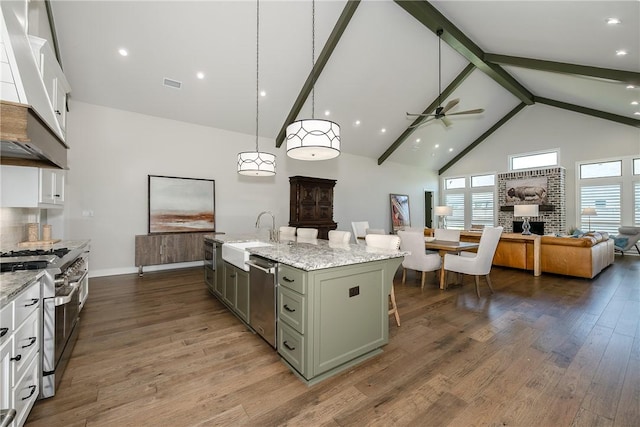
(582, 257)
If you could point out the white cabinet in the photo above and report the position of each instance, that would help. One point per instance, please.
(53, 78)
(30, 187)
(20, 366)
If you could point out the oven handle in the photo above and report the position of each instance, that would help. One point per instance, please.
(76, 283)
(58, 301)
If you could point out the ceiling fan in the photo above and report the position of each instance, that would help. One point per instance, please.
(441, 112)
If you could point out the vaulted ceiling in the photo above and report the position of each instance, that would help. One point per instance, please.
(375, 61)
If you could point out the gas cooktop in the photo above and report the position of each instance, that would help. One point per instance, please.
(60, 252)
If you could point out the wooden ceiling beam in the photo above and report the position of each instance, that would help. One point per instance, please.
(628, 77)
(323, 58)
(431, 18)
(589, 111)
(430, 109)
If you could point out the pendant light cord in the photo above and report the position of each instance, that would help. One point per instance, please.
(313, 59)
(257, 69)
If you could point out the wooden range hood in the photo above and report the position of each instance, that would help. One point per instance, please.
(27, 140)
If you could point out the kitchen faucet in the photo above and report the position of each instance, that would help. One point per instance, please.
(272, 233)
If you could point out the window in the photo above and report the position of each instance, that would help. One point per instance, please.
(601, 170)
(611, 186)
(606, 200)
(534, 160)
(483, 180)
(451, 183)
(456, 201)
(482, 209)
(472, 199)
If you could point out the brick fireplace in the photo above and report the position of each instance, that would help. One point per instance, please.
(553, 213)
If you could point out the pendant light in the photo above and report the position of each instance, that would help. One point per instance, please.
(257, 163)
(313, 139)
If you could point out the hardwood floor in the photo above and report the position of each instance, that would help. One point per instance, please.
(541, 351)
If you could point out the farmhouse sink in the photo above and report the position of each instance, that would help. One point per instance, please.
(237, 254)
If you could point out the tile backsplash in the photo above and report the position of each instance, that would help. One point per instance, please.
(13, 225)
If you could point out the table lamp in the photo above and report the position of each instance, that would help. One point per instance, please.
(589, 212)
(443, 212)
(525, 211)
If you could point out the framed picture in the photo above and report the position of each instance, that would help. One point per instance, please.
(529, 191)
(181, 205)
(399, 211)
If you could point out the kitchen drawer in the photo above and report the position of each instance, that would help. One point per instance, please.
(26, 391)
(292, 278)
(292, 309)
(291, 346)
(6, 321)
(26, 342)
(26, 303)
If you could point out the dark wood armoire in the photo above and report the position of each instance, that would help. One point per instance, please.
(311, 204)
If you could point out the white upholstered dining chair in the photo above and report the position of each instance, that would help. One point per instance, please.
(337, 236)
(447, 234)
(307, 233)
(391, 242)
(359, 230)
(478, 264)
(419, 260)
(287, 232)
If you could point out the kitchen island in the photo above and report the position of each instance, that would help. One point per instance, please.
(332, 303)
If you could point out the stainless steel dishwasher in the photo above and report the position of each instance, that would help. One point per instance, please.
(262, 297)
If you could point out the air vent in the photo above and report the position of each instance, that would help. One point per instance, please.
(172, 83)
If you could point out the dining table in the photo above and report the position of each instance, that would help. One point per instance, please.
(444, 247)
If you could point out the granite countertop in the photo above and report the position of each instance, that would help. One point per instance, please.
(311, 254)
(12, 283)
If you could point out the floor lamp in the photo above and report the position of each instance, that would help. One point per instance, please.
(525, 211)
(443, 212)
(589, 212)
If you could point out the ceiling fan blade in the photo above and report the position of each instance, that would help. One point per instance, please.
(430, 119)
(419, 115)
(446, 121)
(450, 105)
(476, 111)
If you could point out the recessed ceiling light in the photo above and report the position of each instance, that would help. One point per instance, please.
(123, 52)
(357, 123)
(433, 154)
(634, 102)
(621, 52)
(437, 145)
(450, 149)
(637, 113)
(631, 87)
(263, 93)
(327, 112)
(417, 139)
(613, 21)
(383, 130)
(200, 75)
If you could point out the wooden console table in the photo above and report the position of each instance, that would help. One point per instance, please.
(156, 249)
(514, 250)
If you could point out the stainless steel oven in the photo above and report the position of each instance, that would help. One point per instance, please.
(65, 287)
(209, 265)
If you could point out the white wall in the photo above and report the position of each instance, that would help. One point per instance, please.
(113, 151)
(540, 127)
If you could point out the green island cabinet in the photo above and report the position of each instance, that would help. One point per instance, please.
(332, 319)
(234, 289)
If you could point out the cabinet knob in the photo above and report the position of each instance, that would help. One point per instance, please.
(3, 331)
(16, 359)
(286, 279)
(34, 301)
(289, 309)
(58, 112)
(286, 344)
